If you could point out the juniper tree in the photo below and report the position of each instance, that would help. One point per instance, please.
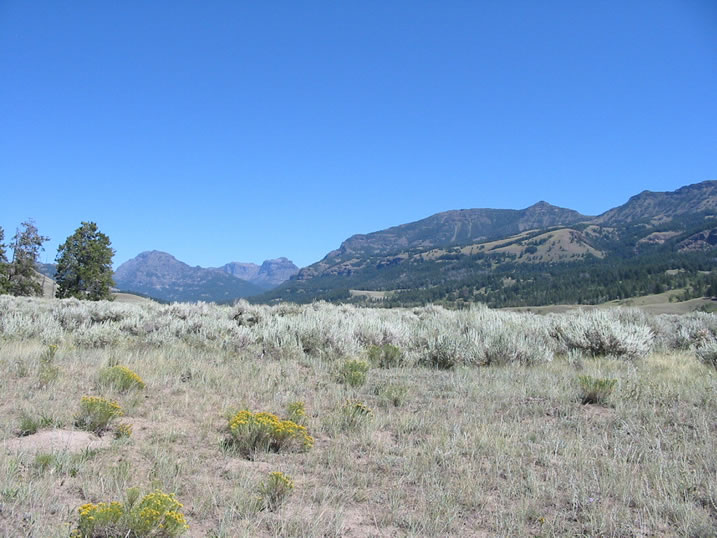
(84, 265)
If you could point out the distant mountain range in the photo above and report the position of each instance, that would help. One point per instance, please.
(161, 276)
(538, 255)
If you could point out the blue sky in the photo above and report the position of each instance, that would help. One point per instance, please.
(240, 131)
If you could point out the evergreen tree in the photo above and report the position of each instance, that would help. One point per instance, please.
(27, 244)
(84, 265)
(4, 284)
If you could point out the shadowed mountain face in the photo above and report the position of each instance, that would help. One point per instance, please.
(161, 275)
(512, 257)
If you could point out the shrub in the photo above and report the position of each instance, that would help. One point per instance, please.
(96, 413)
(708, 355)
(391, 394)
(599, 332)
(101, 335)
(353, 373)
(595, 391)
(502, 347)
(275, 490)
(120, 378)
(48, 371)
(354, 415)
(43, 461)
(50, 352)
(442, 353)
(296, 411)
(357, 408)
(385, 356)
(156, 515)
(123, 430)
(250, 432)
(30, 425)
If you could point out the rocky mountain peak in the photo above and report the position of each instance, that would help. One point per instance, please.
(269, 274)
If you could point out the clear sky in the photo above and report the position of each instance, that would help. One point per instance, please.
(242, 130)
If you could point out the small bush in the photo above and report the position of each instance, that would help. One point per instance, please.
(503, 347)
(442, 353)
(123, 430)
(353, 373)
(48, 371)
(357, 408)
(708, 355)
(296, 412)
(96, 413)
(43, 461)
(354, 415)
(595, 391)
(385, 356)
(275, 490)
(391, 394)
(30, 425)
(120, 378)
(250, 432)
(157, 515)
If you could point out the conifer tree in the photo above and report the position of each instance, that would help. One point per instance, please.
(27, 244)
(84, 265)
(4, 268)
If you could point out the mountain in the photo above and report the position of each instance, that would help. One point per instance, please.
(161, 275)
(533, 256)
(657, 207)
(442, 230)
(245, 271)
(47, 269)
(270, 274)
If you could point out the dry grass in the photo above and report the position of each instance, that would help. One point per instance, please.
(660, 303)
(472, 451)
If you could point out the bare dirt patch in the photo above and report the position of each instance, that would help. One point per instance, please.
(597, 412)
(56, 441)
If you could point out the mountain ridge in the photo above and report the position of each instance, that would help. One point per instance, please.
(650, 204)
(435, 256)
(447, 228)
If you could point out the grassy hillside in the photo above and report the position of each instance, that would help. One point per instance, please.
(668, 302)
(477, 423)
(122, 297)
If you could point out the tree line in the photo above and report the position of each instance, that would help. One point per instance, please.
(84, 263)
